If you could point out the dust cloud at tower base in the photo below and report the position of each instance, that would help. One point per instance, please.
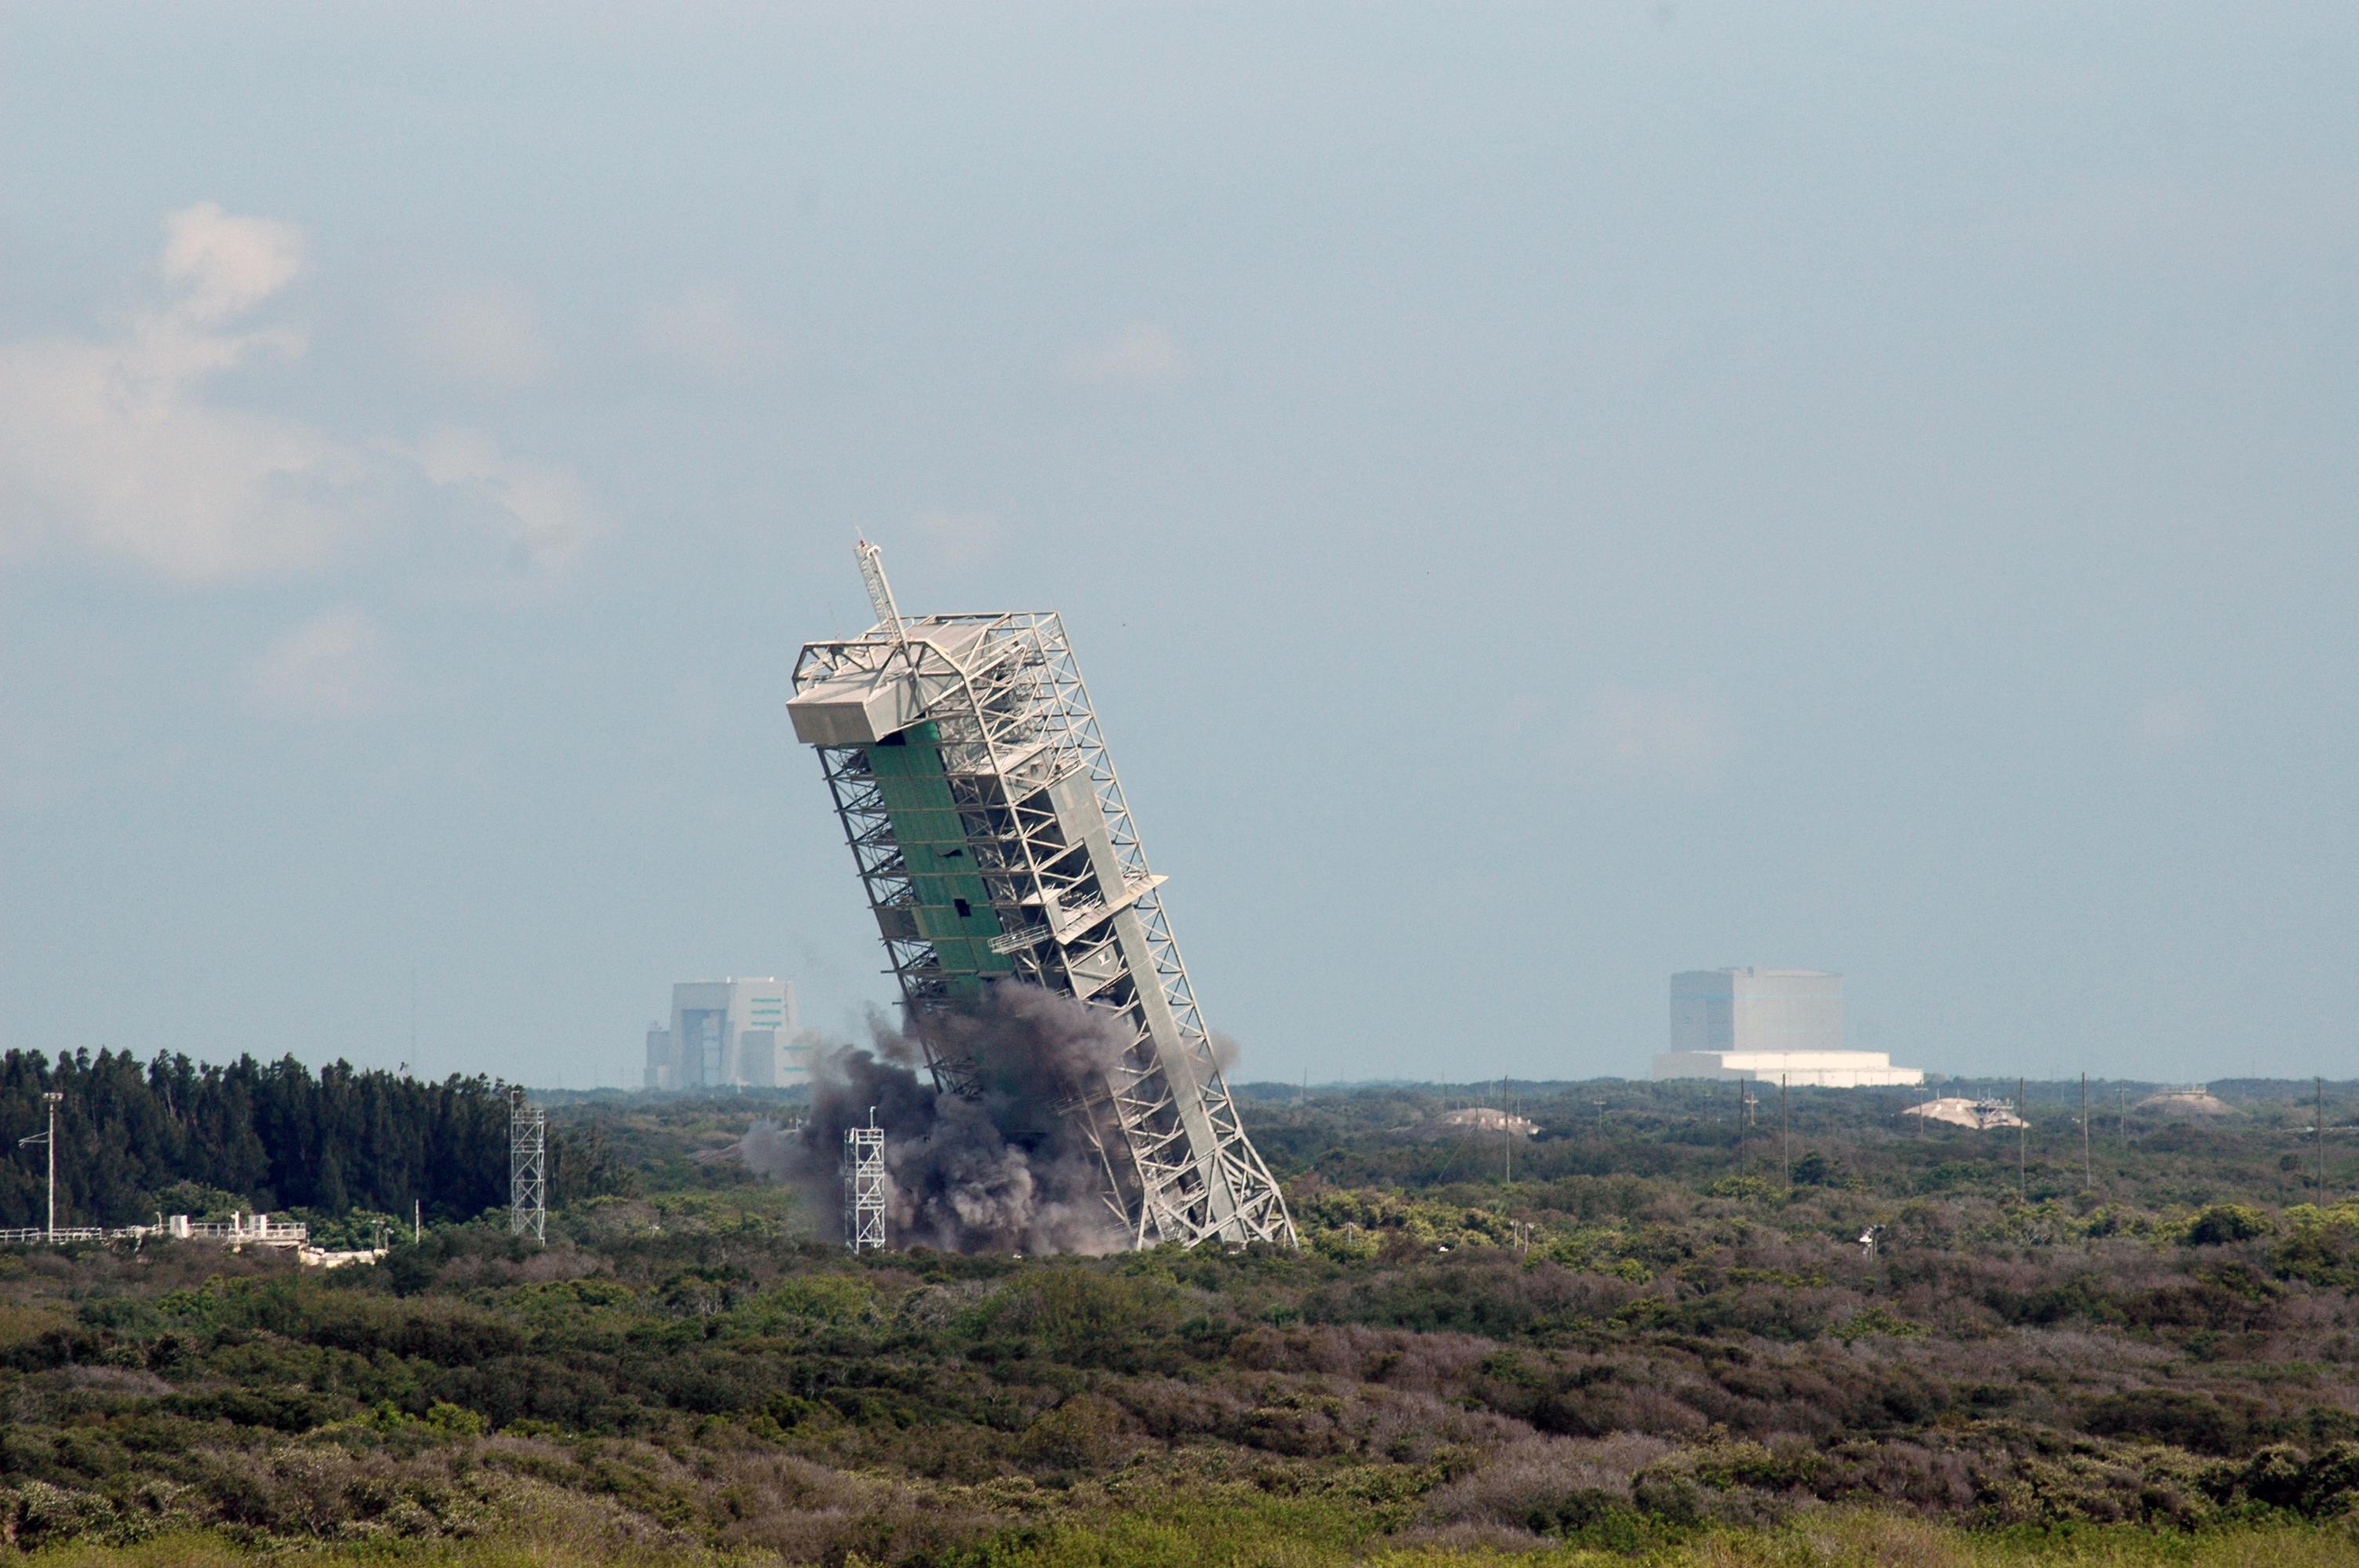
(1003, 1168)
(1076, 1100)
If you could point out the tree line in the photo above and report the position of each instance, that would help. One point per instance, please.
(132, 1137)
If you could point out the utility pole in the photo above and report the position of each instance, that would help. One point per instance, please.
(1507, 1131)
(2022, 1145)
(1786, 1117)
(2088, 1165)
(2321, 1140)
(50, 1139)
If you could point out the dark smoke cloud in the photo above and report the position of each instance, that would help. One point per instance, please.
(1008, 1172)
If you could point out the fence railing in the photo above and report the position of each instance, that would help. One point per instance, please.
(238, 1231)
(33, 1233)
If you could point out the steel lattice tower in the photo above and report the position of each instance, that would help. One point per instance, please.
(991, 837)
(528, 1168)
(863, 1186)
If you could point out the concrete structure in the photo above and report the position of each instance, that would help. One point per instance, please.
(995, 845)
(1957, 1112)
(729, 1034)
(2197, 1102)
(1479, 1119)
(1768, 1024)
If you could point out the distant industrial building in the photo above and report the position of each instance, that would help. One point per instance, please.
(1768, 1024)
(729, 1034)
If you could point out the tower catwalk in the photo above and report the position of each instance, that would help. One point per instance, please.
(991, 835)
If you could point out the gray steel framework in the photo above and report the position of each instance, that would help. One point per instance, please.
(528, 1168)
(1079, 911)
(864, 1186)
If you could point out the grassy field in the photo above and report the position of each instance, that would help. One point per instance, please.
(1222, 1539)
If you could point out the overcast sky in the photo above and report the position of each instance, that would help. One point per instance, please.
(1545, 496)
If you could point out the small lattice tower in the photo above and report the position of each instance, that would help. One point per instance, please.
(863, 1186)
(528, 1168)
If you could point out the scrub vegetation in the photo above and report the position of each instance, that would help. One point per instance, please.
(1661, 1338)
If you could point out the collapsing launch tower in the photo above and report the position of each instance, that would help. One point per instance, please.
(991, 835)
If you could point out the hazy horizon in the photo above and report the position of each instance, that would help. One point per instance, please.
(1544, 498)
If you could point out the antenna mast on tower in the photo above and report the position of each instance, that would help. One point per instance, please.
(880, 592)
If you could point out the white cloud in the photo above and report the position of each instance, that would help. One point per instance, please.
(543, 511)
(706, 330)
(2175, 720)
(225, 266)
(487, 337)
(115, 444)
(1139, 354)
(108, 441)
(1685, 731)
(329, 667)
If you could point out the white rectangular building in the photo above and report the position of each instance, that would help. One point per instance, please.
(1768, 1024)
(729, 1034)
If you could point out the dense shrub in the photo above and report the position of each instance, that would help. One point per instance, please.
(2226, 1222)
(1648, 1337)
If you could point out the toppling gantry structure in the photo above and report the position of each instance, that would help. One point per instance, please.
(992, 838)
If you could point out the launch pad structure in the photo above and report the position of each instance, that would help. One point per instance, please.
(993, 842)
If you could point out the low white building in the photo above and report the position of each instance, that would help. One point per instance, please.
(1796, 1069)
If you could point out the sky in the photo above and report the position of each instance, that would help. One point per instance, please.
(1545, 496)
